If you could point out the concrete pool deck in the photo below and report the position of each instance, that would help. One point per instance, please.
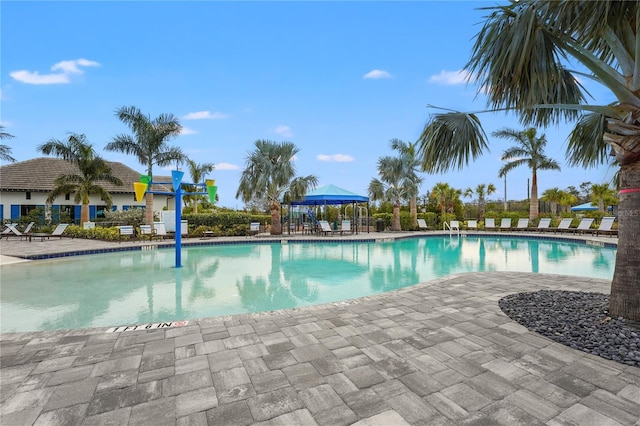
(440, 352)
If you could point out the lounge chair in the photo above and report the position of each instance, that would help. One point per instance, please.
(146, 230)
(161, 231)
(523, 224)
(505, 224)
(422, 224)
(543, 225)
(12, 231)
(27, 231)
(489, 223)
(583, 226)
(563, 225)
(605, 227)
(472, 224)
(57, 232)
(454, 225)
(7, 230)
(254, 228)
(346, 227)
(126, 231)
(325, 227)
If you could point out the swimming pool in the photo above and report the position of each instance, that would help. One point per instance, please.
(138, 287)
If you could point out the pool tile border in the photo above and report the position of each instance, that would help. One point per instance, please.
(574, 240)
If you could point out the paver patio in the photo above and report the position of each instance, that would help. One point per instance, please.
(441, 353)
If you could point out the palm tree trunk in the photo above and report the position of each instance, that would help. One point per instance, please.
(413, 207)
(148, 212)
(601, 204)
(533, 203)
(625, 287)
(276, 228)
(395, 223)
(84, 213)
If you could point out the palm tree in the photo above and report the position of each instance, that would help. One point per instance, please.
(568, 199)
(148, 143)
(408, 153)
(553, 196)
(396, 183)
(446, 197)
(92, 169)
(481, 191)
(197, 172)
(269, 173)
(529, 151)
(5, 150)
(519, 62)
(601, 194)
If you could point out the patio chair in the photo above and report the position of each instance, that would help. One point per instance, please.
(472, 224)
(345, 227)
(126, 231)
(325, 227)
(422, 224)
(12, 231)
(146, 230)
(57, 232)
(523, 224)
(505, 224)
(454, 225)
(254, 229)
(605, 227)
(543, 225)
(490, 224)
(583, 226)
(7, 230)
(563, 225)
(160, 229)
(27, 231)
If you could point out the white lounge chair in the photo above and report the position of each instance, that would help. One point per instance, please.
(583, 226)
(472, 224)
(254, 229)
(605, 227)
(543, 225)
(12, 231)
(422, 224)
(563, 225)
(146, 230)
(57, 232)
(489, 223)
(454, 225)
(126, 231)
(505, 224)
(345, 227)
(325, 227)
(160, 230)
(523, 224)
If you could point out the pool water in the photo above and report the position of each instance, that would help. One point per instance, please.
(139, 287)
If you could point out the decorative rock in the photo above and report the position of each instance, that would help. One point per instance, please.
(579, 320)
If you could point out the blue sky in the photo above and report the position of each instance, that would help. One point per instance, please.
(338, 79)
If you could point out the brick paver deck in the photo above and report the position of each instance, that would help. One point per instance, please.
(439, 353)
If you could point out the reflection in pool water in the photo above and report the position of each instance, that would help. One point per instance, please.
(138, 287)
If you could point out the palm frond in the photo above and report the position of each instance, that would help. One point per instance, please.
(586, 146)
(450, 140)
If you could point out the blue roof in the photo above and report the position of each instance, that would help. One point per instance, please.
(330, 194)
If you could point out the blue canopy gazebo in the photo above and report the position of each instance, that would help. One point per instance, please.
(332, 195)
(584, 207)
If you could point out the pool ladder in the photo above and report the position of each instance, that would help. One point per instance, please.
(453, 226)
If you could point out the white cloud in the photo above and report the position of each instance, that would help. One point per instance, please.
(187, 131)
(339, 158)
(227, 166)
(205, 115)
(283, 130)
(376, 74)
(451, 78)
(66, 68)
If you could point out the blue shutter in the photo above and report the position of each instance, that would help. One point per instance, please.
(15, 211)
(55, 214)
(114, 208)
(1, 211)
(92, 212)
(76, 213)
(125, 208)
